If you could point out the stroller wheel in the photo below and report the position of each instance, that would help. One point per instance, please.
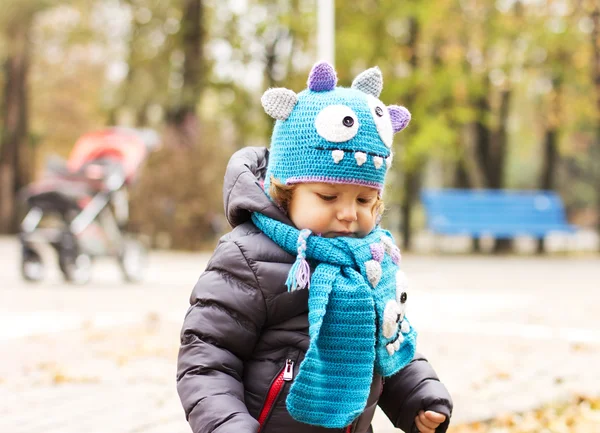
(76, 269)
(133, 260)
(32, 268)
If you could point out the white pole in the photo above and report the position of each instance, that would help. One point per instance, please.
(326, 31)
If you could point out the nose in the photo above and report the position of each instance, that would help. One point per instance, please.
(347, 212)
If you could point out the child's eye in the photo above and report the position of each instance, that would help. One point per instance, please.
(327, 197)
(363, 200)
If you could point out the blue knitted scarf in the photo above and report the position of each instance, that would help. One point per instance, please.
(356, 320)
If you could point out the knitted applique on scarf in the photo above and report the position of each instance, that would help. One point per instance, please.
(357, 322)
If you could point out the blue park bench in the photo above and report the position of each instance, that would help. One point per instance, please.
(501, 214)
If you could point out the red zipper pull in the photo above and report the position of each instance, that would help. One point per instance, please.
(288, 372)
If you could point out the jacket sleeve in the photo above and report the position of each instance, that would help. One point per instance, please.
(416, 387)
(227, 311)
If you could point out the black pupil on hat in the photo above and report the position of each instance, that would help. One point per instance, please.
(403, 297)
(348, 121)
(379, 111)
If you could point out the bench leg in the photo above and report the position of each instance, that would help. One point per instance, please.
(476, 245)
(503, 246)
(541, 246)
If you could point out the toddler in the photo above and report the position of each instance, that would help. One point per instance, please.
(298, 324)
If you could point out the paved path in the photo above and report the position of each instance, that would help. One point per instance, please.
(503, 333)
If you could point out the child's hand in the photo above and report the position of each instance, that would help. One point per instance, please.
(428, 421)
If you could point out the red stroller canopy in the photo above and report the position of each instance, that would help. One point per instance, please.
(122, 145)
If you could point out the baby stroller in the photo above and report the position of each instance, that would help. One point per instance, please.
(81, 208)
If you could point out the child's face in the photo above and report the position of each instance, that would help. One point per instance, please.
(333, 210)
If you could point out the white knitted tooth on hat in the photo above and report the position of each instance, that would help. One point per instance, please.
(377, 161)
(388, 161)
(360, 157)
(337, 155)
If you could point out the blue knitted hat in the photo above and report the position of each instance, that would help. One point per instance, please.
(332, 134)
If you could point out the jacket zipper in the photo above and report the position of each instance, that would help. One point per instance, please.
(286, 375)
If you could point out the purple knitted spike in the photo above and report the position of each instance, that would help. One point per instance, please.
(377, 252)
(400, 117)
(322, 77)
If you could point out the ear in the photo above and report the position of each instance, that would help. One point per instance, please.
(400, 117)
(279, 102)
(322, 77)
(369, 82)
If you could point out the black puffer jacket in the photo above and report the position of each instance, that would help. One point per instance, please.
(244, 335)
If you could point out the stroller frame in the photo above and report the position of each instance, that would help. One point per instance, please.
(83, 203)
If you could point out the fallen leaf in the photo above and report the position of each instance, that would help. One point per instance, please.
(579, 415)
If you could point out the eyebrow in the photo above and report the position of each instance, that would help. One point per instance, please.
(332, 190)
(368, 193)
(329, 188)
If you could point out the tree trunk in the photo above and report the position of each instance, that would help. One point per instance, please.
(271, 59)
(597, 161)
(193, 49)
(411, 193)
(497, 161)
(128, 89)
(462, 180)
(491, 146)
(183, 126)
(550, 159)
(461, 175)
(141, 116)
(548, 174)
(411, 176)
(550, 151)
(548, 169)
(497, 154)
(596, 77)
(468, 173)
(15, 162)
(482, 136)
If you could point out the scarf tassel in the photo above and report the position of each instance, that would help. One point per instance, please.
(299, 275)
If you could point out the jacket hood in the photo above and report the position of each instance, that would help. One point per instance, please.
(242, 189)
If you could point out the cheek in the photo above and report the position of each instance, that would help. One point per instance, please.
(310, 214)
(367, 219)
(325, 218)
(318, 218)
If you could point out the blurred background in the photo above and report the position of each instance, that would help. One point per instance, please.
(505, 95)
